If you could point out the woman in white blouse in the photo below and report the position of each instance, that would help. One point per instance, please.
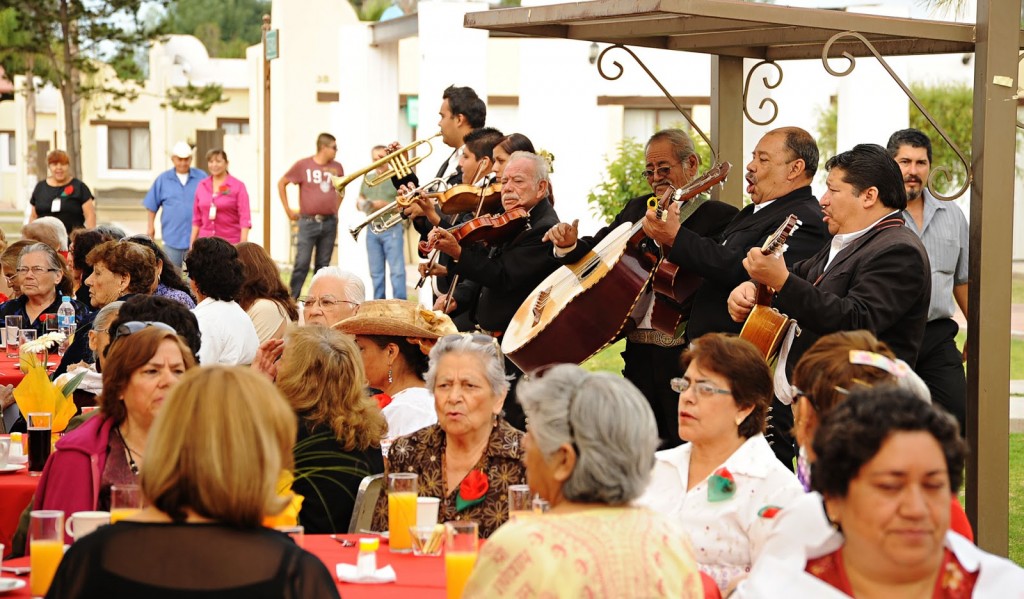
(725, 484)
(395, 338)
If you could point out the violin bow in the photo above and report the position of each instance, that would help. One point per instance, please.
(479, 209)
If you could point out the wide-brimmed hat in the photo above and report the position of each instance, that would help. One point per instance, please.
(181, 150)
(397, 318)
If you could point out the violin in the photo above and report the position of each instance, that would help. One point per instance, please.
(489, 229)
(465, 198)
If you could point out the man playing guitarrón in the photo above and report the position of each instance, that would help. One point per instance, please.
(651, 358)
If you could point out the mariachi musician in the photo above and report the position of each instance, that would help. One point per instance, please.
(652, 357)
(779, 184)
(509, 271)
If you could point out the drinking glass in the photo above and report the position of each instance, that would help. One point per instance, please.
(520, 502)
(13, 327)
(46, 546)
(39, 427)
(459, 555)
(402, 492)
(125, 502)
(28, 335)
(51, 323)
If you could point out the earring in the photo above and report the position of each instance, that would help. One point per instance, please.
(390, 379)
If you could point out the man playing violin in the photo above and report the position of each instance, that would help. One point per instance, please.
(779, 178)
(652, 357)
(508, 272)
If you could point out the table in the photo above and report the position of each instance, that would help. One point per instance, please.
(16, 492)
(420, 577)
(10, 372)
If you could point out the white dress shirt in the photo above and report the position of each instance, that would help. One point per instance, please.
(726, 535)
(228, 335)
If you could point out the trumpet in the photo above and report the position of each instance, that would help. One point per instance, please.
(391, 215)
(399, 166)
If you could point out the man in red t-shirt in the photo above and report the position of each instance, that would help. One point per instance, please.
(318, 208)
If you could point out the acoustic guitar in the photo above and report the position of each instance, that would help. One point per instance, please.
(584, 306)
(766, 327)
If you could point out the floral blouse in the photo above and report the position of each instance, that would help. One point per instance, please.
(422, 452)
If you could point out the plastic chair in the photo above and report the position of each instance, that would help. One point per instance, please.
(366, 501)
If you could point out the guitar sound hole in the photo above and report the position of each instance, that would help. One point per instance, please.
(588, 268)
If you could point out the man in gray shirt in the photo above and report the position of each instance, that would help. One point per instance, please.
(943, 231)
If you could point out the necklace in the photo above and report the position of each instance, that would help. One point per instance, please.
(128, 451)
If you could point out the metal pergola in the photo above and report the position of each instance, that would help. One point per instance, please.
(731, 30)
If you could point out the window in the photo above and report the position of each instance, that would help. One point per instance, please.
(642, 122)
(128, 146)
(233, 126)
(12, 150)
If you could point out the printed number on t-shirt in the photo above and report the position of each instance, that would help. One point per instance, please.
(313, 176)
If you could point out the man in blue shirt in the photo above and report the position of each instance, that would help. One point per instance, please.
(174, 190)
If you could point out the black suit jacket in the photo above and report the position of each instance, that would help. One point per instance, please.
(709, 220)
(721, 264)
(510, 272)
(881, 282)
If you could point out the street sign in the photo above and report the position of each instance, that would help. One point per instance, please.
(412, 111)
(270, 45)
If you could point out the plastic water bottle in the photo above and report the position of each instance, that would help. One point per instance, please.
(66, 324)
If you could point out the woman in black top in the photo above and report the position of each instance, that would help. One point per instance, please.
(63, 196)
(214, 456)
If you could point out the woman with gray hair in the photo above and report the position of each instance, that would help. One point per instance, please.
(43, 277)
(589, 449)
(471, 456)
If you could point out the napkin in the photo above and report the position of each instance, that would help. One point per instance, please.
(347, 573)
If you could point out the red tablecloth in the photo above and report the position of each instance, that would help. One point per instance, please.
(16, 491)
(420, 577)
(10, 373)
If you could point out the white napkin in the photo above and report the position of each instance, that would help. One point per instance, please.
(347, 573)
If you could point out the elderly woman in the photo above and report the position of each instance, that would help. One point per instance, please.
(119, 270)
(168, 278)
(588, 452)
(215, 272)
(144, 360)
(9, 262)
(43, 279)
(334, 295)
(98, 339)
(394, 338)
(716, 485)
(208, 491)
(340, 426)
(82, 242)
(471, 456)
(887, 466)
(63, 196)
(263, 295)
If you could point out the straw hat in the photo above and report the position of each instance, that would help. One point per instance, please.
(397, 318)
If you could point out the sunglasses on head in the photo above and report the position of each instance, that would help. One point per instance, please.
(134, 326)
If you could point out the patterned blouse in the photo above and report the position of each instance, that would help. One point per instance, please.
(422, 452)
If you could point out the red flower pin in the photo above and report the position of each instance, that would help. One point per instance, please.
(471, 490)
(224, 189)
(68, 190)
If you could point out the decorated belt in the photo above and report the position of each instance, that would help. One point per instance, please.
(653, 337)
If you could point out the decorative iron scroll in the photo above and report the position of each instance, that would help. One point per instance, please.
(600, 69)
(766, 100)
(944, 170)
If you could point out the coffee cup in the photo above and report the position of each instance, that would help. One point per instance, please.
(80, 524)
(5, 449)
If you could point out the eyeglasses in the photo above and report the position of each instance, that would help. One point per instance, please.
(134, 326)
(703, 389)
(662, 171)
(35, 270)
(326, 302)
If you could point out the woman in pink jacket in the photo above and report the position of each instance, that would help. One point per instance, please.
(143, 361)
(221, 208)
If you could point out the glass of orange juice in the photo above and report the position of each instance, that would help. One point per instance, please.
(125, 502)
(403, 488)
(46, 547)
(459, 555)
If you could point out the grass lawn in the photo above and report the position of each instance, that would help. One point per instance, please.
(609, 359)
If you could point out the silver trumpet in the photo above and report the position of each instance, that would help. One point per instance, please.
(390, 215)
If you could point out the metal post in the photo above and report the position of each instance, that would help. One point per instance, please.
(995, 75)
(727, 124)
(266, 137)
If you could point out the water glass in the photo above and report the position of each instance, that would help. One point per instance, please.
(460, 550)
(520, 502)
(40, 425)
(46, 546)
(403, 488)
(51, 323)
(12, 325)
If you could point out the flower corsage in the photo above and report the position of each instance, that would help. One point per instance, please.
(471, 490)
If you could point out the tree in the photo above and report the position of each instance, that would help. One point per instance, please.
(74, 38)
(951, 105)
(226, 27)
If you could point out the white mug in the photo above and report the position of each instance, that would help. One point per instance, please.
(5, 449)
(80, 524)
(426, 511)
